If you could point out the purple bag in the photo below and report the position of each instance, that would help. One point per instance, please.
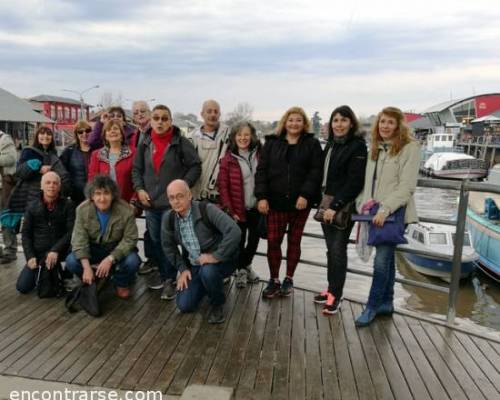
(392, 232)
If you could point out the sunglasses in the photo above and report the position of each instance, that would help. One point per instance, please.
(137, 112)
(156, 118)
(82, 131)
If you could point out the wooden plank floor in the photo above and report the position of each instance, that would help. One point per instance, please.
(279, 349)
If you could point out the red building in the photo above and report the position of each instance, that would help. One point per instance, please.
(64, 111)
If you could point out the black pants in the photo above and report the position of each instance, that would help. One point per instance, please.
(336, 244)
(249, 238)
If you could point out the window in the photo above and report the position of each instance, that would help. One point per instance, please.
(418, 236)
(60, 115)
(73, 114)
(437, 238)
(66, 113)
(53, 114)
(466, 239)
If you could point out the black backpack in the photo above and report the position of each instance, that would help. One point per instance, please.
(204, 216)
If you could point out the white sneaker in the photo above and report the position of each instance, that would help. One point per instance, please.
(241, 278)
(252, 277)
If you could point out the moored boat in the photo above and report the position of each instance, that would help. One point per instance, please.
(455, 166)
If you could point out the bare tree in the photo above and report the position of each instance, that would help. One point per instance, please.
(242, 112)
(107, 99)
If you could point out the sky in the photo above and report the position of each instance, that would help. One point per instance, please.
(271, 54)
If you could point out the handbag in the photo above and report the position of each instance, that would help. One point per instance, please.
(49, 282)
(85, 297)
(342, 217)
(392, 232)
(262, 226)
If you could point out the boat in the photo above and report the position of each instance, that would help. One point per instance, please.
(483, 223)
(455, 166)
(437, 241)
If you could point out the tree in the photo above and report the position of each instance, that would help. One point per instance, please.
(108, 100)
(242, 112)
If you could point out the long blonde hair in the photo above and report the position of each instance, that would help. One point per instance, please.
(401, 138)
(281, 130)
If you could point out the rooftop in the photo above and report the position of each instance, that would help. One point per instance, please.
(15, 109)
(56, 99)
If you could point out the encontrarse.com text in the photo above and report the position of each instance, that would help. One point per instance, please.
(68, 394)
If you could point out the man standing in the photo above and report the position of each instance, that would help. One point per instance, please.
(211, 141)
(162, 156)
(105, 234)
(210, 241)
(46, 231)
(8, 157)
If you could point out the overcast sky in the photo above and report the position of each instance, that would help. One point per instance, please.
(272, 54)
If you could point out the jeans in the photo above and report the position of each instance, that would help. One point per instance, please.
(205, 280)
(149, 248)
(26, 281)
(336, 243)
(153, 225)
(384, 272)
(249, 230)
(122, 273)
(9, 241)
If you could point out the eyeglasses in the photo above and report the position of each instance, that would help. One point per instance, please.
(115, 115)
(179, 196)
(156, 118)
(137, 112)
(82, 131)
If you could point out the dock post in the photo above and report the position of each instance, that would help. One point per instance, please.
(457, 252)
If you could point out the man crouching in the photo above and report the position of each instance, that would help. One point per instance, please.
(105, 234)
(210, 241)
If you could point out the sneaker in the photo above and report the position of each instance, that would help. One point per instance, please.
(286, 287)
(332, 305)
(321, 298)
(252, 277)
(146, 267)
(70, 283)
(366, 317)
(169, 290)
(216, 315)
(226, 280)
(123, 292)
(272, 289)
(241, 278)
(155, 282)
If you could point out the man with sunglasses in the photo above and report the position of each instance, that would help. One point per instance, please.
(162, 156)
(115, 113)
(210, 141)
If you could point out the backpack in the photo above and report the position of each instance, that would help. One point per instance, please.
(204, 216)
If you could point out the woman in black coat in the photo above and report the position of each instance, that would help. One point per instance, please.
(343, 178)
(76, 159)
(287, 185)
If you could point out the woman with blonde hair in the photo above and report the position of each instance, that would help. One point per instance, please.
(76, 158)
(390, 182)
(287, 185)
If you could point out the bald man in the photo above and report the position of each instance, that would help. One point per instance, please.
(46, 233)
(211, 141)
(210, 242)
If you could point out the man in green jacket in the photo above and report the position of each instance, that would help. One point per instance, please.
(105, 237)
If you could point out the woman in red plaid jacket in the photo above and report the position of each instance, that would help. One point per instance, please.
(236, 183)
(287, 185)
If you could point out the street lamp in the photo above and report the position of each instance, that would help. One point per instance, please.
(81, 97)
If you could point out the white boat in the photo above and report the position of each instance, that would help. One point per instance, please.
(455, 166)
(438, 243)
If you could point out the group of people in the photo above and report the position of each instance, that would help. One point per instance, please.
(205, 200)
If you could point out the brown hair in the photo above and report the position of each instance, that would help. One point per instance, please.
(107, 126)
(36, 142)
(401, 138)
(82, 124)
(281, 130)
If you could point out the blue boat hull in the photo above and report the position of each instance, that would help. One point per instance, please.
(486, 241)
(438, 268)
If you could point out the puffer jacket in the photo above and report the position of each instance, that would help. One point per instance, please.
(281, 180)
(95, 138)
(396, 180)
(44, 231)
(75, 162)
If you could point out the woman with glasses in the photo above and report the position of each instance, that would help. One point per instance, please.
(117, 114)
(76, 158)
(114, 159)
(34, 161)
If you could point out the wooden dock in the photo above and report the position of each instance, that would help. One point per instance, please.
(279, 349)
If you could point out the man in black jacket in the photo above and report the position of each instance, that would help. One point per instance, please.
(46, 231)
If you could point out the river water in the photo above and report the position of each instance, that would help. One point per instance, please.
(479, 296)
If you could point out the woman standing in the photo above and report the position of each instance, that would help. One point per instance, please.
(390, 180)
(34, 161)
(236, 182)
(287, 184)
(114, 113)
(114, 159)
(76, 158)
(343, 178)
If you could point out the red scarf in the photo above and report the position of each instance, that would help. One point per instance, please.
(161, 143)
